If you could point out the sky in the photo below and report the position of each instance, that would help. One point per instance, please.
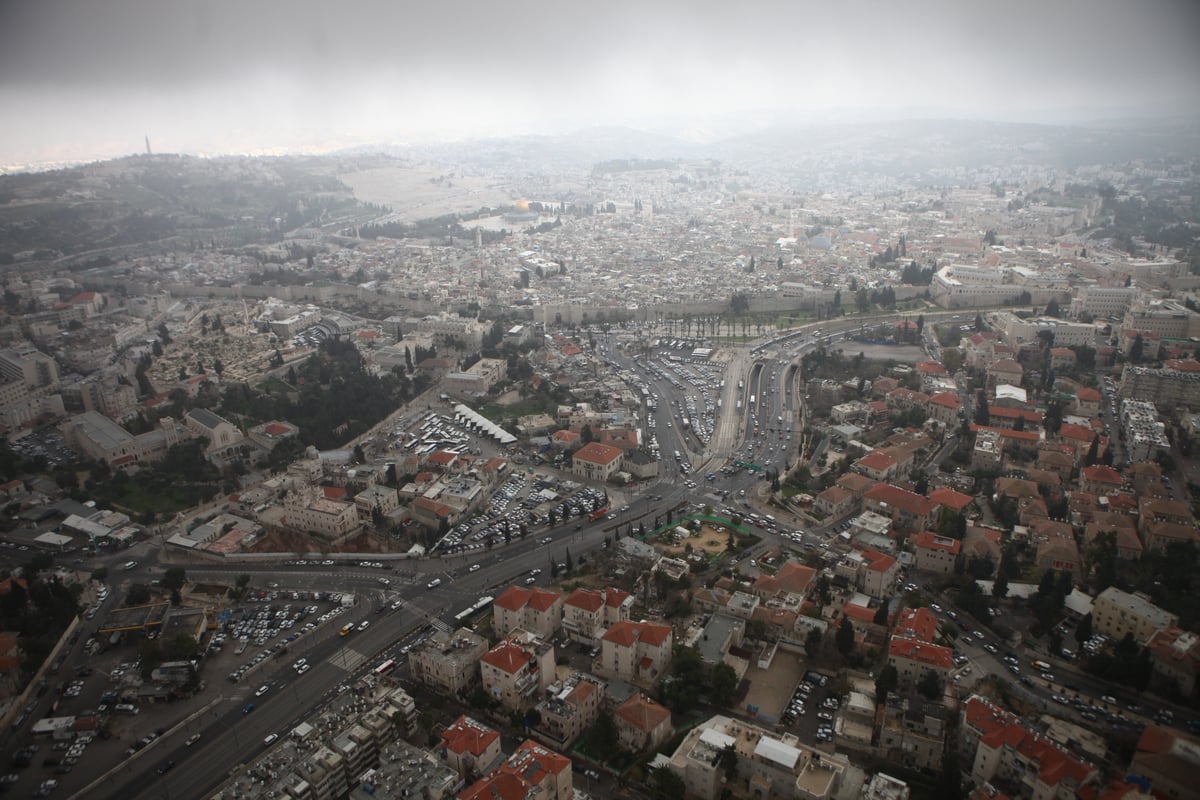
(89, 79)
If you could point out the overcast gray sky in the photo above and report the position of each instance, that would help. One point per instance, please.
(83, 79)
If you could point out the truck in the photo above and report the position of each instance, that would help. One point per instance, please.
(598, 514)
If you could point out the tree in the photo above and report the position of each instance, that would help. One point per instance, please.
(930, 685)
(1052, 309)
(666, 785)
(174, 578)
(886, 683)
(983, 415)
(138, 595)
(218, 367)
(729, 761)
(812, 642)
(724, 684)
(881, 614)
(844, 638)
(1137, 350)
(1000, 586)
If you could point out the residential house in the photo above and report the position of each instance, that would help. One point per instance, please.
(642, 724)
(638, 652)
(906, 509)
(448, 661)
(1116, 613)
(517, 670)
(586, 613)
(470, 748)
(934, 553)
(536, 610)
(913, 659)
(1175, 656)
(569, 708)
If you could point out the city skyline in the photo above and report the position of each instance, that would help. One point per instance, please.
(84, 82)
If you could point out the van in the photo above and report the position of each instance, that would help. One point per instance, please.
(433, 584)
(125, 708)
(128, 565)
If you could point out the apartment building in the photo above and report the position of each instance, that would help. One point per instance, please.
(638, 652)
(642, 724)
(24, 363)
(934, 553)
(906, 509)
(535, 610)
(532, 773)
(517, 670)
(586, 613)
(913, 731)
(1176, 383)
(913, 659)
(448, 661)
(1116, 613)
(1168, 760)
(470, 747)
(768, 764)
(1038, 766)
(568, 709)
(1168, 319)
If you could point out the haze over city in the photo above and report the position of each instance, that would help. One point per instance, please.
(82, 81)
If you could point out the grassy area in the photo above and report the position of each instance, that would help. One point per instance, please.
(150, 496)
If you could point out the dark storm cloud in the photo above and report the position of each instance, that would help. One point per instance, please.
(250, 74)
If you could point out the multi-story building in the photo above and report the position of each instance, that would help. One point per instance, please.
(223, 437)
(476, 380)
(913, 659)
(470, 748)
(448, 661)
(1017, 330)
(913, 731)
(568, 709)
(1102, 302)
(596, 462)
(935, 553)
(104, 440)
(642, 724)
(906, 509)
(768, 764)
(1175, 656)
(1168, 761)
(1169, 319)
(517, 670)
(532, 773)
(535, 610)
(1039, 767)
(1175, 384)
(1116, 613)
(638, 652)
(309, 511)
(26, 364)
(586, 613)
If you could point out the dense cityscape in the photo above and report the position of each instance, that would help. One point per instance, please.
(574, 468)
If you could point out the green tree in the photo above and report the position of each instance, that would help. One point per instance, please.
(812, 642)
(138, 595)
(729, 762)
(174, 578)
(724, 684)
(886, 683)
(930, 685)
(666, 785)
(844, 638)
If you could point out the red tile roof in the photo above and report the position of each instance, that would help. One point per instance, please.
(944, 496)
(899, 498)
(507, 657)
(877, 460)
(928, 540)
(498, 786)
(945, 399)
(642, 713)
(1102, 474)
(929, 654)
(627, 634)
(916, 623)
(596, 453)
(466, 735)
(586, 599)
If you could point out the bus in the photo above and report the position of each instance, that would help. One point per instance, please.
(481, 605)
(384, 668)
(598, 514)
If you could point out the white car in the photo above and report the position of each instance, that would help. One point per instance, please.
(262, 690)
